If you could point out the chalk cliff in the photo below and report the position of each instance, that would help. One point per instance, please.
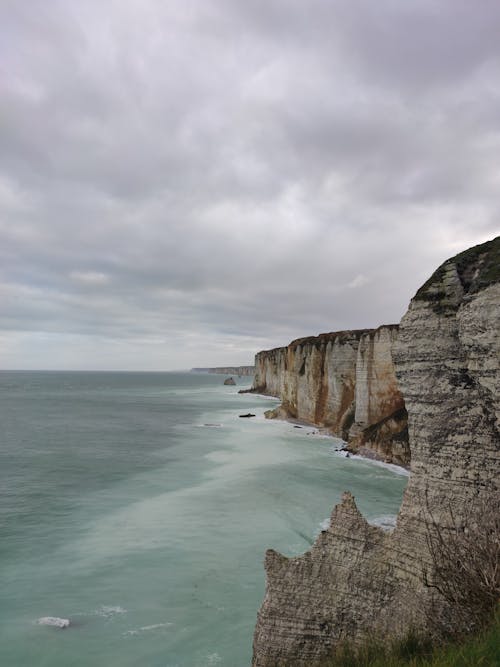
(343, 381)
(357, 580)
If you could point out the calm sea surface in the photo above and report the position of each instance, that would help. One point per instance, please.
(139, 506)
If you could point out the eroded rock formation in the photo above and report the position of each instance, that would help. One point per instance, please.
(357, 580)
(343, 381)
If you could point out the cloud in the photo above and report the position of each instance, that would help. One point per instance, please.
(184, 184)
(358, 281)
(89, 277)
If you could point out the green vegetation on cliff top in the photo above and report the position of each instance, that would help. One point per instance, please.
(478, 267)
(482, 650)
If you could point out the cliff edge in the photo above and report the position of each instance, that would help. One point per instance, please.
(357, 581)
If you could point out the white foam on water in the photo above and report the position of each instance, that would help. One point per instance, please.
(387, 522)
(267, 398)
(152, 522)
(399, 470)
(54, 621)
(213, 659)
(146, 628)
(108, 611)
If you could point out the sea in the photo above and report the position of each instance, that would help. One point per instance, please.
(139, 507)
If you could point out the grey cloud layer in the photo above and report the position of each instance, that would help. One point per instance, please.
(185, 183)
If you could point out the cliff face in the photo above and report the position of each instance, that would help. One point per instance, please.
(356, 580)
(270, 372)
(344, 381)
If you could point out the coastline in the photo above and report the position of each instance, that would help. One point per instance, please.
(323, 432)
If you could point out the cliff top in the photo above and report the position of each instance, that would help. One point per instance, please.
(477, 268)
(323, 338)
(329, 336)
(344, 336)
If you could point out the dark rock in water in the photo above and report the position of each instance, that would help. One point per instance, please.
(229, 381)
(297, 427)
(249, 414)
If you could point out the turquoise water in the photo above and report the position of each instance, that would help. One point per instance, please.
(124, 511)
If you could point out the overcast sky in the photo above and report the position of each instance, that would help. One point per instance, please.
(186, 182)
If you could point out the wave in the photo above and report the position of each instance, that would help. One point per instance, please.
(54, 621)
(387, 522)
(268, 398)
(108, 611)
(146, 628)
(399, 470)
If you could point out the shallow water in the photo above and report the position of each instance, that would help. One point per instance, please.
(139, 506)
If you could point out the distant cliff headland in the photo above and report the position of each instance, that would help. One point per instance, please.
(227, 370)
(426, 392)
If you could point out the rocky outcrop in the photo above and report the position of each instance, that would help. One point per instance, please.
(229, 381)
(344, 382)
(358, 581)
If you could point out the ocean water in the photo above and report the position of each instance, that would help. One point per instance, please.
(139, 506)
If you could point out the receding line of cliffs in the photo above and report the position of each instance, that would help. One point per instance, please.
(344, 382)
(357, 582)
(227, 370)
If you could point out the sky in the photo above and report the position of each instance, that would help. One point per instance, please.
(187, 182)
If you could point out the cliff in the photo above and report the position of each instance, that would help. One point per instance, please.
(357, 581)
(227, 370)
(343, 381)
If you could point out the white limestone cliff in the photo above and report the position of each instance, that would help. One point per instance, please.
(342, 381)
(357, 581)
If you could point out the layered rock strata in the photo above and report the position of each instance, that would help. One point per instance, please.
(357, 581)
(344, 382)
